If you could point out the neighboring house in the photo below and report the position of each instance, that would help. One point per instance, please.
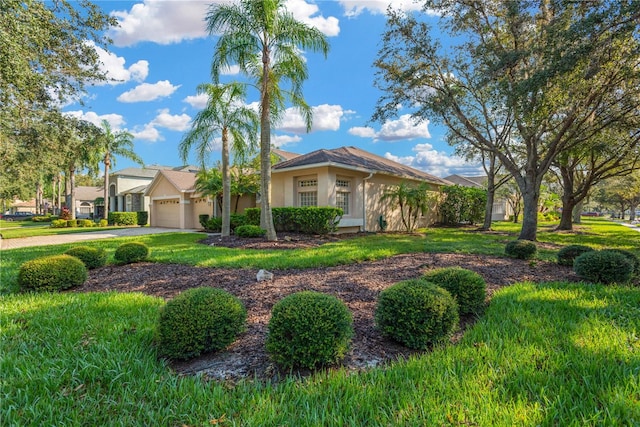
(175, 203)
(501, 208)
(350, 178)
(23, 206)
(85, 201)
(127, 187)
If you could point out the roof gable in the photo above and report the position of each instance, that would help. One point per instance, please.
(184, 182)
(355, 158)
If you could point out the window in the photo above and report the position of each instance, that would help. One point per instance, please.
(342, 201)
(128, 202)
(307, 187)
(308, 198)
(343, 194)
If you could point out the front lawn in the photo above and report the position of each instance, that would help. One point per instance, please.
(543, 354)
(549, 354)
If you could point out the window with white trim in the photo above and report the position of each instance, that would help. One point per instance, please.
(343, 194)
(307, 189)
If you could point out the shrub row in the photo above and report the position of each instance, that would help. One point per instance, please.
(215, 224)
(59, 272)
(129, 218)
(307, 220)
(310, 329)
(71, 223)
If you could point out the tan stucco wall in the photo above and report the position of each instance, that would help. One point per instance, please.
(284, 193)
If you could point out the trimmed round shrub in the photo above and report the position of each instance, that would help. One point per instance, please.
(521, 249)
(103, 223)
(568, 254)
(633, 258)
(128, 253)
(466, 286)
(309, 329)
(199, 320)
(416, 313)
(603, 267)
(91, 257)
(250, 231)
(52, 273)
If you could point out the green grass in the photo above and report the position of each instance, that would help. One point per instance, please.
(550, 354)
(18, 229)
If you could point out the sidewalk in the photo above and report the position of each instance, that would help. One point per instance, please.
(79, 237)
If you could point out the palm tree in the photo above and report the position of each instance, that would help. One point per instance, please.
(265, 41)
(111, 144)
(227, 117)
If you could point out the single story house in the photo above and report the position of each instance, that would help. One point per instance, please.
(501, 208)
(352, 179)
(347, 177)
(85, 201)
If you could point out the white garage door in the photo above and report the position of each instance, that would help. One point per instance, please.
(167, 213)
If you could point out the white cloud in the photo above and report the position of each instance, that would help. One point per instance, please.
(437, 162)
(115, 120)
(173, 122)
(166, 22)
(325, 117)
(395, 130)
(147, 133)
(231, 70)
(197, 101)
(308, 13)
(114, 68)
(162, 22)
(148, 92)
(363, 132)
(354, 8)
(282, 140)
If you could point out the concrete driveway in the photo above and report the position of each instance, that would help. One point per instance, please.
(79, 237)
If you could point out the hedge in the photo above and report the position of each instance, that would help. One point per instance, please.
(307, 220)
(123, 218)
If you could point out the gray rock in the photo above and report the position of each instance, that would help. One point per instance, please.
(264, 275)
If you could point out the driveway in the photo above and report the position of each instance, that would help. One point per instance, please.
(79, 237)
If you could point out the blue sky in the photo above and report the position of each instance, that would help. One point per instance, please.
(161, 52)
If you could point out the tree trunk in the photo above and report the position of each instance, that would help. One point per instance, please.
(488, 209)
(72, 192)
(632, 210)
(530, 198)
(577, 212)
(266, 216)
(226, 185)
(107, 164)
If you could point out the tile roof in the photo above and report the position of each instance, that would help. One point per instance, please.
(89, 193)
(355, 158)
(284, 155)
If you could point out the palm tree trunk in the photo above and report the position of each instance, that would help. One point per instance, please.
(226, 185)
(266, 216)
(107, 164)
(72, 191)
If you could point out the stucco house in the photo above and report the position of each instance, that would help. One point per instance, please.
(347, 177)
(350, 178)
(85, 201)
(501, 208)
(127, 187)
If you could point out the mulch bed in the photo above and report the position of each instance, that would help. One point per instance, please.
(358, 285)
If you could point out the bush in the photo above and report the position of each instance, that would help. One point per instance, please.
(466, 286)
(237, 220)
(603, 267)
(85, 223)
(416, 313)
(250, 231)
(103, 223)
(45, 218)
(130, 252)
(65, 213)
(72, 223)
(462, 205)
(123, 218)
(521, 249)
(568, 254)
(199, 320)
(90, 257)
(52, 273)
(202, 219)
(59, 223)
(214, 224)
(309, 329)
(307, 220)
(142, 218)
(633, 258)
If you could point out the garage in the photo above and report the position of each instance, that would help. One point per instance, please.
(166, 213)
